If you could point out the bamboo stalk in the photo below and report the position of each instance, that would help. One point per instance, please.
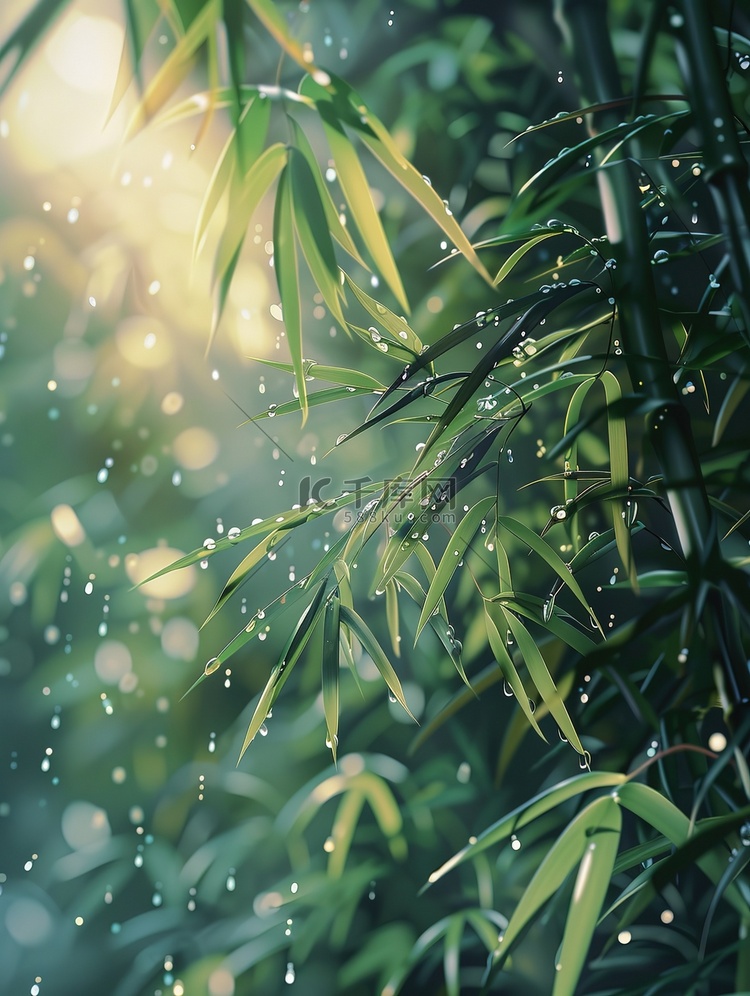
(584, 22)
(726, 171)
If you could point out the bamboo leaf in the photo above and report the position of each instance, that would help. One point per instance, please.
(356, 190)
(534, 608)
(495, 622)
(526, 323)
(287, 278)
(336, 227)
(542, 679)
(376, 137)
(667, 819)
(175, 67)
(273, 21)
(519, 253)
(391, 612)
(401, 333)
(547, 800)
(454, 551)
(619, 470)
(560, 860)
(589, 892)
(283, 667)
(364, 634)
(254, 187)
(459, 335)
(321, 371)
(233, 12)
(549, 175)
(342, 832)
(240, 573)
(314, 237)
(406, 399)
(737, 391)
(21, 41)
(452, 955)
(318, 398)
(549, 556)
(438, 622)
(572, 418)
(330, 671)
(141, 20)
(244, 145)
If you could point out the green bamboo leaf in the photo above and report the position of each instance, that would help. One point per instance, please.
(261, 622)
(401, 333)
(461, 334)
(364, 634)
(196, 104)
(589, 891)
(454, 551)
(22, 40)
(507, 237)
(550, 557)
(572, 418)
(314, 237)
(141, 19)
(656, 810)
(534, 608)
(283, 667)
(342, 831)
(394, 351)
(486, 923)
(542, 679)
(330, 671)
(403, 401)
(377, 138)
(636, 856)
(550, 799)
(737, 391)
(240, 573)
(244, 145)
(335, 226)
(391, 612)
(287, 278)
(424, 942)
(560, 860)
(356, 190)
(233, 13)
(438, 622)
(619, 470)
(503, 564)
(519, 253)
(273, 21)
(549, 175)
(175, 67)
(243, 203)
(318, 398)
(656, 579)
(538, 311)
(452, 955)
(321, 371)
(495, 622)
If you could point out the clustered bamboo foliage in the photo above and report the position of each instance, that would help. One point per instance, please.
(601, 350)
